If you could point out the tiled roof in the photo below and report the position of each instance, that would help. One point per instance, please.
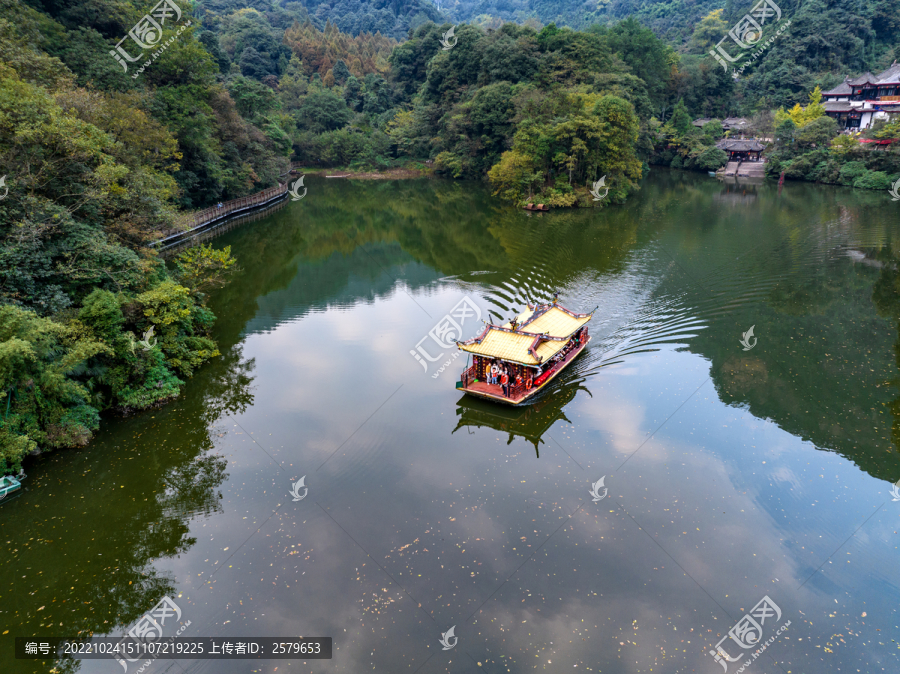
(891, 75)
(751, 145)
(541, 333)
(734, 121)
(862, 79)
(837, 106)
(843, 89)
(555, 321)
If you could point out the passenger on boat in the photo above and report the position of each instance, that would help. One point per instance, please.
(504, 383)
(495, 371)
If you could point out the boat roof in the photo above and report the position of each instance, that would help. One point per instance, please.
(541, 332)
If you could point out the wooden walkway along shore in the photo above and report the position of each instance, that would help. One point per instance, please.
(206, 219)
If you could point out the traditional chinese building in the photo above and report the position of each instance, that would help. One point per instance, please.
(735, 124)
(740, 149)
(856, 103)
(700, 123)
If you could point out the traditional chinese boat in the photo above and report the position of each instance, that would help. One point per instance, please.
(8, 484)
(533, 348)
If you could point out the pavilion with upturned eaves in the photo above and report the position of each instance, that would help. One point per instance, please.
(856, 103)
(740, 149)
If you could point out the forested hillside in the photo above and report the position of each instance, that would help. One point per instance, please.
(393, 19)
(672, 20)
(97, 162)
(826, 40)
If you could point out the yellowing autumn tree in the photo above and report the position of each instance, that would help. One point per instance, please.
(802, 116)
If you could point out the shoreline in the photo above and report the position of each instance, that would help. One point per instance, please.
(388, 174)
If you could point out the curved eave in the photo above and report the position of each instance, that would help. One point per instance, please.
(540, 333)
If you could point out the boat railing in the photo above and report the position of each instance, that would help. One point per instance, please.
(469, 375)
(558, 365)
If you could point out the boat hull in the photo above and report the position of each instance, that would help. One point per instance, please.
(488, 391)
(8, 485)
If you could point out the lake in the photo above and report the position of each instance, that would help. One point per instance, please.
(747, 496)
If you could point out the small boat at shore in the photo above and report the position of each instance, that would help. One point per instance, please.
(8, 485)
(533, 348)
(346, 175)
(537, 207)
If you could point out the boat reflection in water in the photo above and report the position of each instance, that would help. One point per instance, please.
(529, 422)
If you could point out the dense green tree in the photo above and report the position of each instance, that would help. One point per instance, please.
(712, 132)
(409, 61)
(681, 120)
(210, 42)
(711, 159)
(255, 65)
(649, 58)
(323, 111)
(817, 133)
(252, 99)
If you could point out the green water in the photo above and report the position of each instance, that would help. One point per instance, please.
(732, 474)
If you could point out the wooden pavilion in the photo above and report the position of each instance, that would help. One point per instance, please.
(741, 150)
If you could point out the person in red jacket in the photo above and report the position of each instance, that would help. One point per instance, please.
(504, 383)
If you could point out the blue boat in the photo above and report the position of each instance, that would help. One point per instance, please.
(8, 485)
